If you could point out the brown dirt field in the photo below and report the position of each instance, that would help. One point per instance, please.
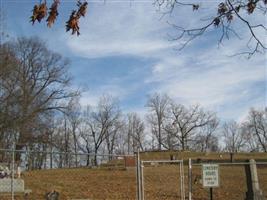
(83, 183)
(232, 184)
(161, 182)
(262, 174)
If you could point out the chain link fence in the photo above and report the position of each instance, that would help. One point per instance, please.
(262, 175)
(235, 181)
(37, 175)
(162, 180)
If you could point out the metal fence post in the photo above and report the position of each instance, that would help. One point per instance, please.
(257, 193)
(51, 160)
(182, 190)
(180, 169)
(138, 176)
(189, 179)
(12, 171)
(142, 180)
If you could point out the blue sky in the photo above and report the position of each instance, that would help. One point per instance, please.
(125, 50)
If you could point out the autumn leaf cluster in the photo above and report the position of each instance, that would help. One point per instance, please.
(40, 11)
(228, 10)
(73, 22)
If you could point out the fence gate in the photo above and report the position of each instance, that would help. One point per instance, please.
(161, 179)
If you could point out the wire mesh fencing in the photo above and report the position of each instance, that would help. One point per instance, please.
(37, 175)
(235, 181)
(262, 176)
(162, 180)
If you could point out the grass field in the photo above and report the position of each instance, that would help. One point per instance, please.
(161, 182)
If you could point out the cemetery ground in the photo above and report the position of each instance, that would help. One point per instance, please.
(161, 181)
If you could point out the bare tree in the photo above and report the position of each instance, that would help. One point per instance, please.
(170, 140)
(109, 116)
(205, 138)
(112, 138)
(135, 133)
(8, 96)
(251, 140)
(233, 137)
(3, 26)
(35, 84)
(85, 144)
(257, 126)
(73, 114)
(104, 123)
(61, 140)
(186, 121)
(158, 105)
(200, 144)
(95, 131)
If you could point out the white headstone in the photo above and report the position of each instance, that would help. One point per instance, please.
(19, 172)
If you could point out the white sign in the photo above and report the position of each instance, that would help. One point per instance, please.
(210, 175)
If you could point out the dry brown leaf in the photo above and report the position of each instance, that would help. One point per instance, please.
(251, 6)
(39, 12)
(73, 23)
(53, 13)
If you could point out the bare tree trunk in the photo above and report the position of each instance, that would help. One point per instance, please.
(95, 157)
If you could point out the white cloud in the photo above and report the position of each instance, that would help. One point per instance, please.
(219, 84)
(120, 29)
(91, 97)
(196, 75)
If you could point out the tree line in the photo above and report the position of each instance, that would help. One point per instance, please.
(39, 112)
(176, 126)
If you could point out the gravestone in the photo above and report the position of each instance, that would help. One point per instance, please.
(54, 195)
(6, 181)
(4, 170)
